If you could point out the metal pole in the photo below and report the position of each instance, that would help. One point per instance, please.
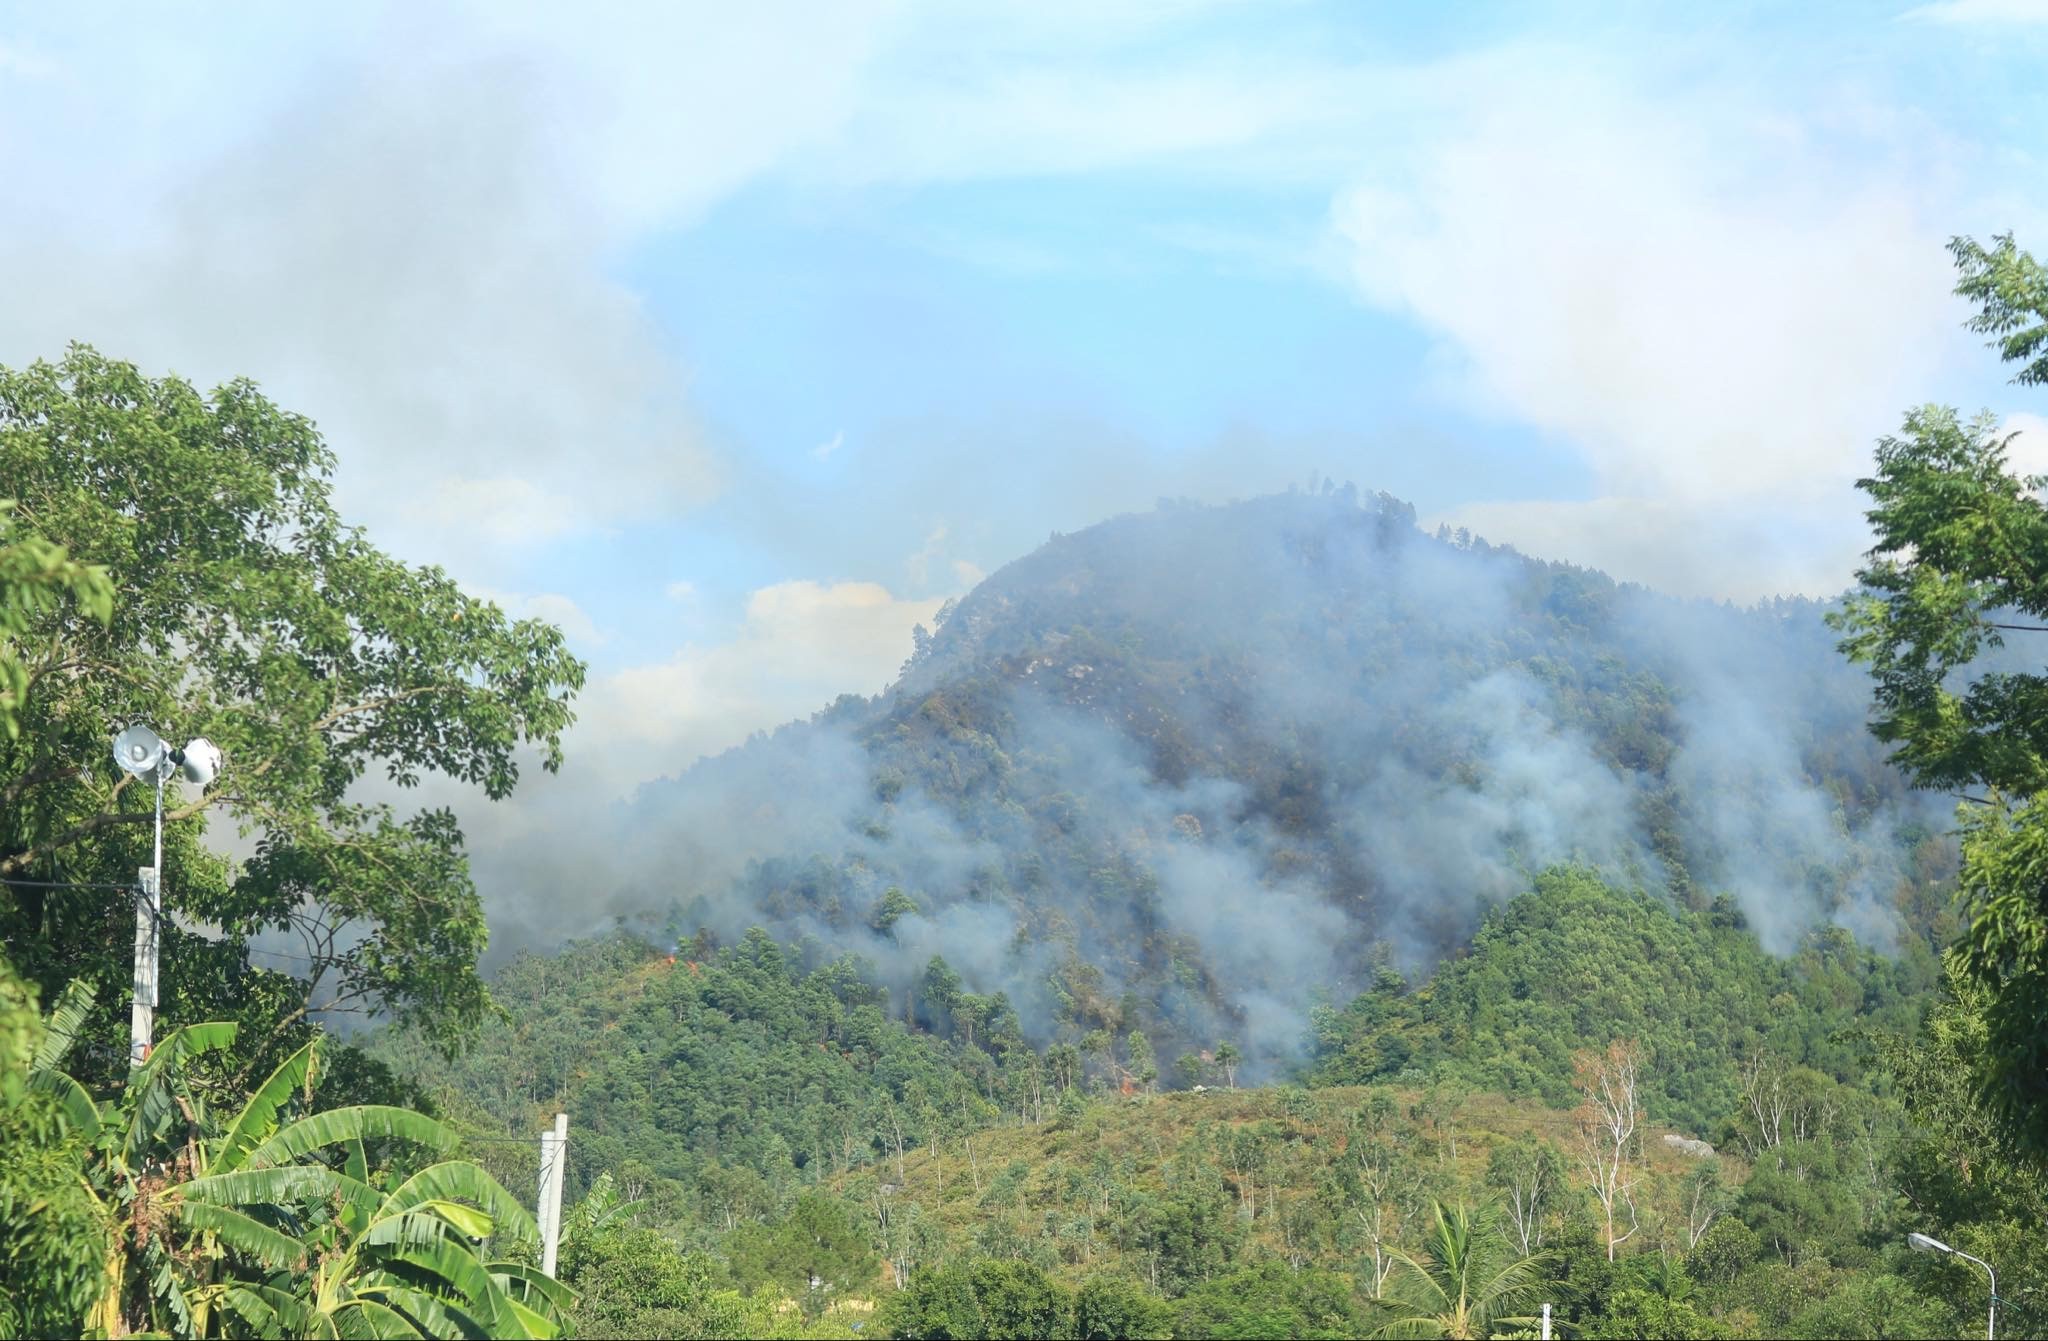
(142, 1011)
(1546, 1322)
(149, 911)
(1991, 1319)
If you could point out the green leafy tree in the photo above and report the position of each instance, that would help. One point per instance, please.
(638, 1282)
(813, 1255)
(251, 614)
(1467, 1283)
(53, 1255)
(1109, 1307)
(1269, 1300)
(891, 908)
(1227, 1061)
(2010, 289)
(1144, 1066)
(1960, 561)
(940, 987)
(1875, 1308)
(1646, 1314)
(37, 578)
(981, 1298)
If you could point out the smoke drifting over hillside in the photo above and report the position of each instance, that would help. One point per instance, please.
(1194, 770)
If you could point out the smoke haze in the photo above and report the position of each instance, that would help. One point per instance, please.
(1195, 770)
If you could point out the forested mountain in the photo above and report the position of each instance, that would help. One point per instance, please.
(1192, 771)
(747, 1101)
(1440, 837)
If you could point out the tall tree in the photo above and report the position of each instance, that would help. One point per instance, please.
(249, 613)
(1961, 561)
(1528, 1175)
(1610, 1085)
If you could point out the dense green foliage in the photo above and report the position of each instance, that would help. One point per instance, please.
(37, 576)
(155, 1210)
(1837, 1123)
(740, 1075)
(1961, 561)
(1576, 960)
(248, 613)
(173, 557)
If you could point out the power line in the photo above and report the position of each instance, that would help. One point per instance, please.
(66, 884)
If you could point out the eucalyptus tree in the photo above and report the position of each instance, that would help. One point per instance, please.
(245, 610)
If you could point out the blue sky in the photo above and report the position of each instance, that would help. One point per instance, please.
(737, 341)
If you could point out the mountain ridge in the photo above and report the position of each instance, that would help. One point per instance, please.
(1192, 770)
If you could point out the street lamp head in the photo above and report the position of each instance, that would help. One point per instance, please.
(1922, 1243)
(139, 751)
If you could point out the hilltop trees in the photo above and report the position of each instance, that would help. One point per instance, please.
(249, 613)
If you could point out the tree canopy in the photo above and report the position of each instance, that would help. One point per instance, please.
(1960, 562)
(332, 675)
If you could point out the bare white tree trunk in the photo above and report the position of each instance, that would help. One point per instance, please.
(1525, 1204)
(1607, 1122)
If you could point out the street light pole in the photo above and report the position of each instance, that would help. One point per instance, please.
(149, 912)
(142, 754)
(1927, 1244)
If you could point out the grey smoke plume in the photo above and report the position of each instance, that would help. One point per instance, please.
(1214, 758)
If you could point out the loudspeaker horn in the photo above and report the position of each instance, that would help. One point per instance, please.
(199, 761)
(139, 750)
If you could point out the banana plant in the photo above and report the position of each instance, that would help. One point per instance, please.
(274, 1227)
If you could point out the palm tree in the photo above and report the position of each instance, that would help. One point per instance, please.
(1467, 1282)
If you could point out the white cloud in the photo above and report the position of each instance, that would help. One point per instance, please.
(555, 608)
(683, 590)
(1717, 303)
(830, 445)
(2027, 451)
(801, 645)
(407, 225)
(1699, 299)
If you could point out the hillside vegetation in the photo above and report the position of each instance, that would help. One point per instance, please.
(1804, 1145)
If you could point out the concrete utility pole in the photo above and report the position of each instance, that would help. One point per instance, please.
(554, 1166)
(1546, 1322)
(149, 907)
(540, 1200)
